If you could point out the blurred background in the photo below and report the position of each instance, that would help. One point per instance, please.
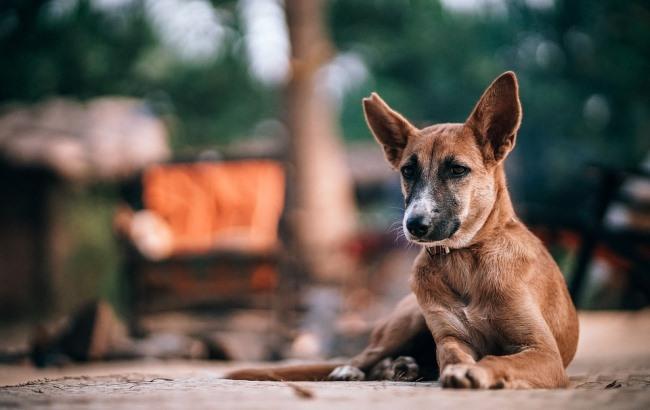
(194, 178)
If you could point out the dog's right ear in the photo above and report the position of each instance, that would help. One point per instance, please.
(497, 116)
(389, 127)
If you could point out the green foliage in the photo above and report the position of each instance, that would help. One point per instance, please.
(81, 54)
(432, 65)
(582, 65)
(87, 52)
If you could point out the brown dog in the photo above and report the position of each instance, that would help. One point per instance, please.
(484, 287)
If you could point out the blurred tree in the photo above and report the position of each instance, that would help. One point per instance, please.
(323, 209)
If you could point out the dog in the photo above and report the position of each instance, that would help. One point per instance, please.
(489, 307)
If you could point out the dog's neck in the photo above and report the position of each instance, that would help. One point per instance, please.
(500, 215)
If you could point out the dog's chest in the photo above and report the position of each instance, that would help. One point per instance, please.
(478, 324)
(471, 323)
(451, 296)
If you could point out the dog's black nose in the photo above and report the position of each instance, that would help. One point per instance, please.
(417, 226)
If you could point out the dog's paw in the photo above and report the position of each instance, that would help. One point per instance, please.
(382, 370)
(346, 373)
(402, 369)
(405, 369)
(468, 376)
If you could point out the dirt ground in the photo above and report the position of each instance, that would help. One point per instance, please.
(611, 370)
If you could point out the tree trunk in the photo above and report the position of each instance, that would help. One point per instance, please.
(323, 212)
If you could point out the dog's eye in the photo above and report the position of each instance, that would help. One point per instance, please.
(458, 170)
(408, 171)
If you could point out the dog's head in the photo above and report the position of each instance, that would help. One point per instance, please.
(449, 171)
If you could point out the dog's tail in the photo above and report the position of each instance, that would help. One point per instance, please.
(295, 373)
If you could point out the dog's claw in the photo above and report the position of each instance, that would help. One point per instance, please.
(346, 373)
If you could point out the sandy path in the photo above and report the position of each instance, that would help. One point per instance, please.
(612, 370)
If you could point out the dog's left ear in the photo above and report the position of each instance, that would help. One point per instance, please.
(497, 116)
(389, 128)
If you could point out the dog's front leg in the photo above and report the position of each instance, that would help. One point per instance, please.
(457, 361)
(536, 362)
(451, 350)
(535, 367)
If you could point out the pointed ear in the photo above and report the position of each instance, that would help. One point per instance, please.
(497, 116)
(390, 129)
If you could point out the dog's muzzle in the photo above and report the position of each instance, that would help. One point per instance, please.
(423, 228)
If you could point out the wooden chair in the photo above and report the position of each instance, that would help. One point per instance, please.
(227, 245)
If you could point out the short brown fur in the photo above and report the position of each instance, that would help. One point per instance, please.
(497, 305)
